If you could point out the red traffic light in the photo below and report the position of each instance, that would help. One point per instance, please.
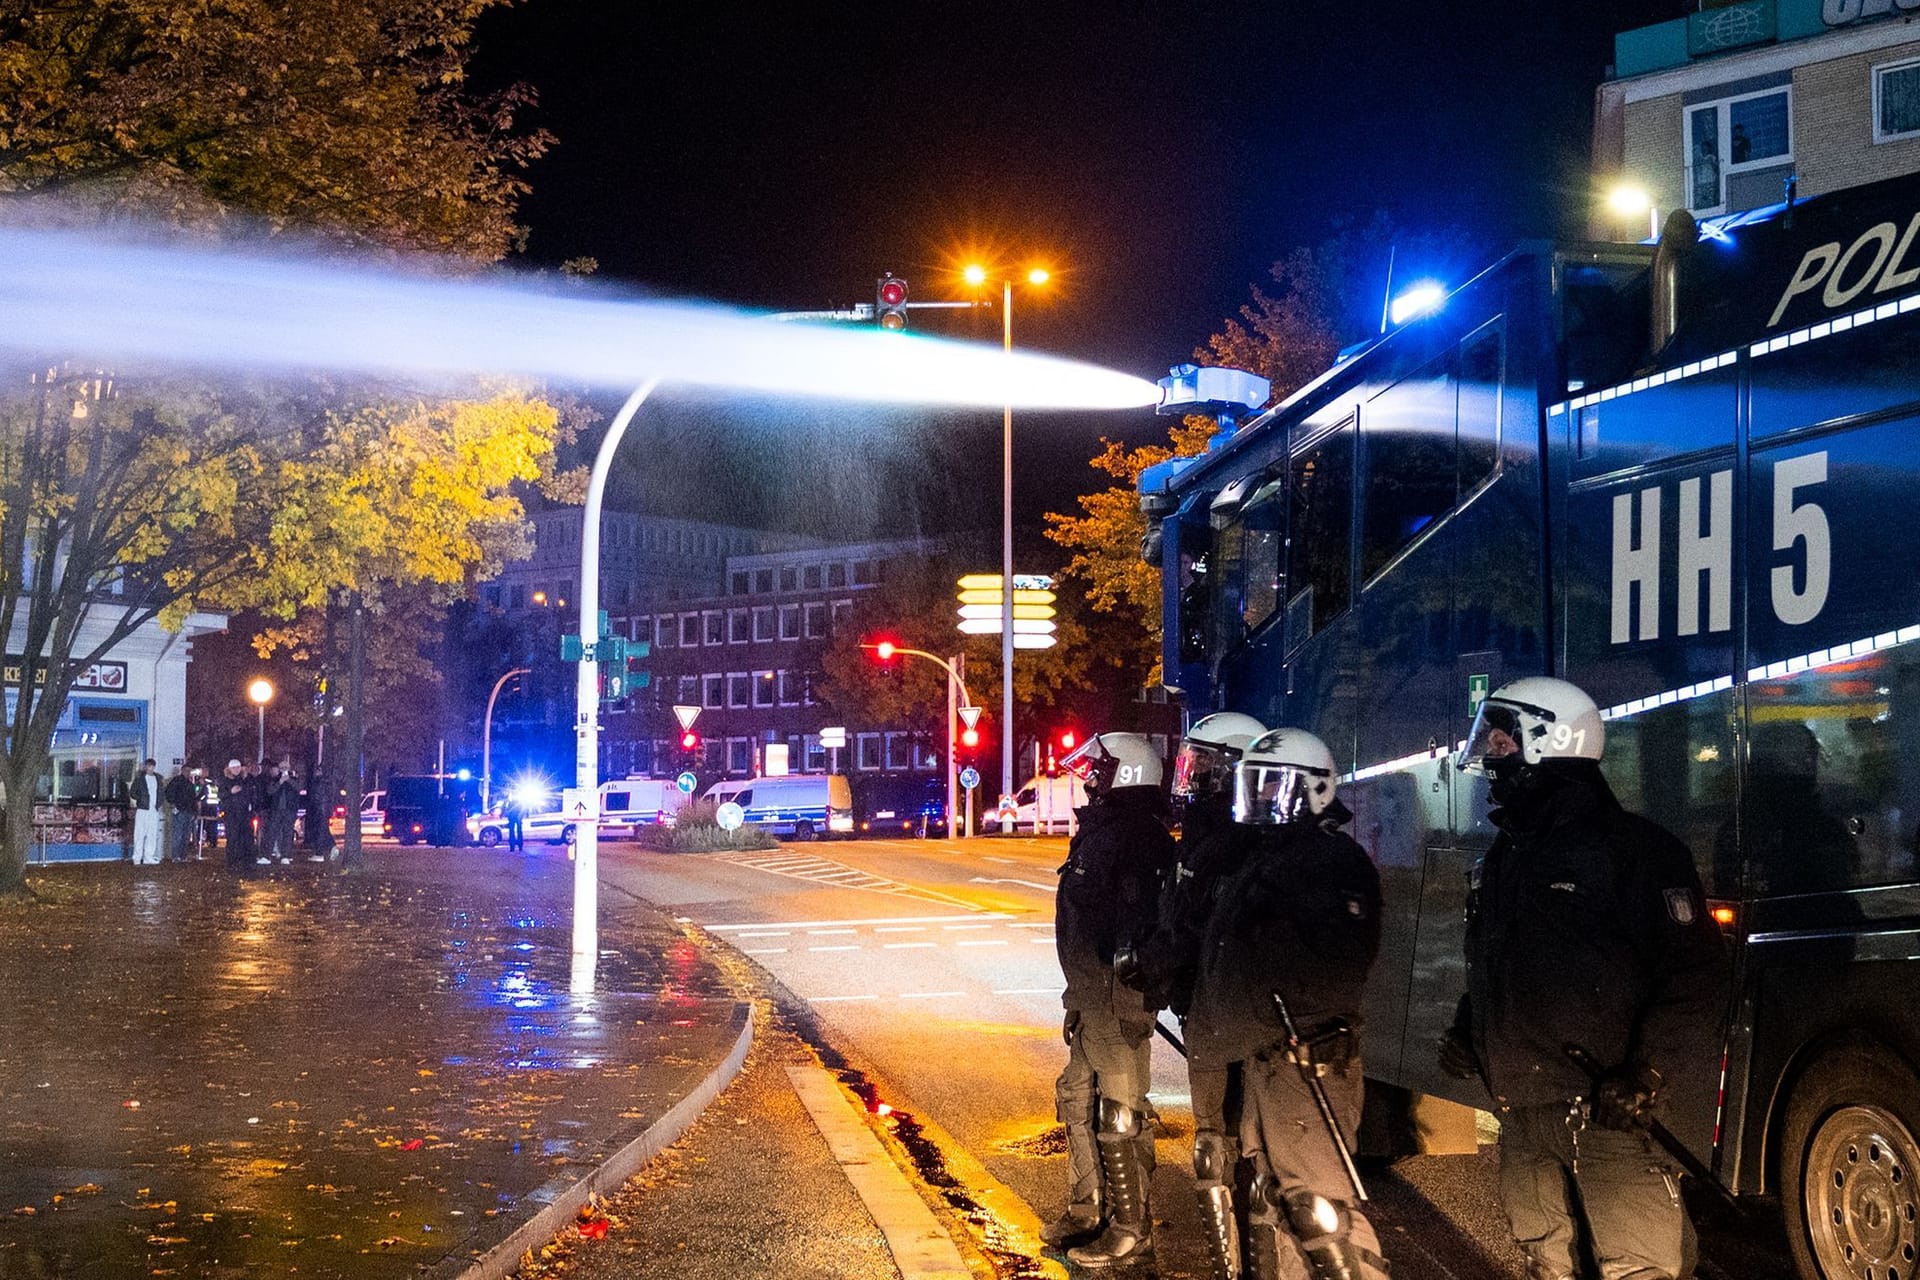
(1067, 740)
(969, 737)
(689, 740)
(884, 651)
(893, 292)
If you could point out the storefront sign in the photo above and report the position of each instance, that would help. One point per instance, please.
(1843, 13)
(102, 677)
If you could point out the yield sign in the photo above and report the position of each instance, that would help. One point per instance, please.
(685, 715)
(969, 716)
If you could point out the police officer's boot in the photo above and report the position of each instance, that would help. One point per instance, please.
(1126, 1160)
(1079, 1225)
(1212, 1168)
(1323, 1228)
(1269, 1257)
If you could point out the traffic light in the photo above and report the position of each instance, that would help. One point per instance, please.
(690, 743)
(1067, 739)
(890, 302)
(638, 677)
(969, 738)
(884, 652)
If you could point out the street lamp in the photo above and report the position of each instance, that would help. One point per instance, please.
(976, 275)
(486, 738)
(1630, 200)
(261, 693)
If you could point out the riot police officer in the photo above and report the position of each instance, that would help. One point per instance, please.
(1586, 928)
(1212, 847)
(1292, 940)
(1108, 900)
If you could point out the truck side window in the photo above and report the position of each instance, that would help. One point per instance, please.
(1410, 463)
(1319, 544)
(1482, 373)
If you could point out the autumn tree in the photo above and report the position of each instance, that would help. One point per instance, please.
(128, 507)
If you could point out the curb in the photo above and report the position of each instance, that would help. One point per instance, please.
(560, 1200)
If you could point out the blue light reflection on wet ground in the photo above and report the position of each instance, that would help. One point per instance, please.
(347, 1076)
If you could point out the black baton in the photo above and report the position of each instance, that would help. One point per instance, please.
(1298, 1050)
(1662, 1136)
(1166, 1033)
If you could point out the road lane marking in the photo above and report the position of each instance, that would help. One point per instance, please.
(920, 1248)
(765, 951)
(901, 928)
(832, 999)
(1043, 888)
(984, 942)
(904, 946)
(1041, 942)
(818, 933)
(761, 935)
(1007, 862)
(822, 924)
(1045, 924)
(825, 871)
(850, 946)
(950, 928)
(930, 995)
(1028, 991)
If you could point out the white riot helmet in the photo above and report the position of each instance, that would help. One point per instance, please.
(1207, 755)
(1110, 761)
(1283, 776)
(1538, 718)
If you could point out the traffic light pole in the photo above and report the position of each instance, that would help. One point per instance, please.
(1006, 578)
(586, 760)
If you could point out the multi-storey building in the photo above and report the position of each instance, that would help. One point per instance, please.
(1715, 110)
(748, 655)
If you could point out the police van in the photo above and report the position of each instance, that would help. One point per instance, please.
(626, 805)
(1688, 480)
(802, 806)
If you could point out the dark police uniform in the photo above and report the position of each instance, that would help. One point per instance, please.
(1586, 925)
(1301, 918)
(1108, 899)
(1212, 848)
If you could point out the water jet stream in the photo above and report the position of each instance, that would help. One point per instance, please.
(104, 299)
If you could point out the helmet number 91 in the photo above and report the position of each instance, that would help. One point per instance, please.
(1566, 736)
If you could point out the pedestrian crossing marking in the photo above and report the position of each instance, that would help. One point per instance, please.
(838, 875)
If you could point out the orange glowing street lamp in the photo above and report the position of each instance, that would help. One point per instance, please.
(976, 274)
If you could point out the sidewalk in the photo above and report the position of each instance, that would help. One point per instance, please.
(324, 1076)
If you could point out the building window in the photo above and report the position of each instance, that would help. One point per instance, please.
(492, 596)
(812, 577)
(763, 688)
(763, 581)
(864, 573)
(899, 751)
(517, 597)
(739, 626)
(842, 610)
(712, 753)
(738, 693)
(689, 630)
(1753, 131)
(806, 679)
(739, 755)
(689, 690)
(816, 622)
(813, 755)
(713, 691)
(836, 574)
(867, 750)
(763, 623)
(789, 622)
(713, 625)
(789, 687)
(789, 579)
(1896, 101)
(739, 583)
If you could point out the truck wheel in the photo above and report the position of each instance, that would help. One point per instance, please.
(1850, 1166)
(489, 837)
(803, 831)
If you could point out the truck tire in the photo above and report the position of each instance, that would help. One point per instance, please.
(803, 830)
(1850, 1166)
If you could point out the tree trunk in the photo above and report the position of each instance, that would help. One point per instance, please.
(353, 697)
(16, 821)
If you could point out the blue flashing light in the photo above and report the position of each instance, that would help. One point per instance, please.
(1417, 300)
(465, 775)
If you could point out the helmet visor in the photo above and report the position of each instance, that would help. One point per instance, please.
(1495, 733)
(1091, 764)
(1199, 769)
(1270, 794)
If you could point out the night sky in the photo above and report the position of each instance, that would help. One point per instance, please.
(1158, 157)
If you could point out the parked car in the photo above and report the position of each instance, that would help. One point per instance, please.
(429, 808)
(373, 814)
(626, 805)
(803, 806)
(900, 804)
(1047, 804)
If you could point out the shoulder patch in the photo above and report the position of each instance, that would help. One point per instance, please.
(1680, 905)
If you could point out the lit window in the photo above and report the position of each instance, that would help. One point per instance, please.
(1754, 131)
(1896, 101)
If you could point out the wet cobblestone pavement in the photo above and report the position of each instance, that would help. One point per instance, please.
(314, 1075)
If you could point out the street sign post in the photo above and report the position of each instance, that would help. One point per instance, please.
(969, 778)
(686, 782)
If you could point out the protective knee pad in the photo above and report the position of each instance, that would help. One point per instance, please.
(1119, 1119)
(1212, 1162)
(1322, 1226)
